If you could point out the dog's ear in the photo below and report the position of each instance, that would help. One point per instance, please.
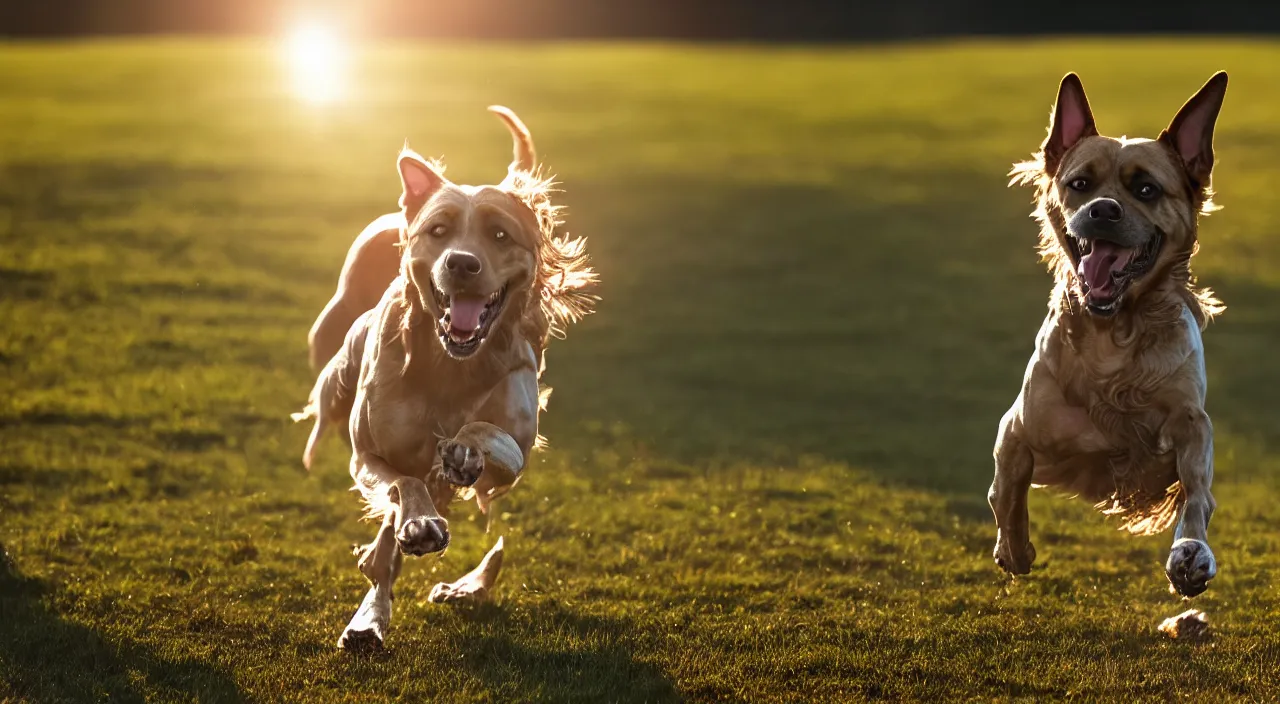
(419, 180)
(1072, 122)
(1191, 132)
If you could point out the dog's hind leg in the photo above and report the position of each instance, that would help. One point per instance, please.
(333, 394)
(1191, 563)
(329, 329)
(380, 561)
(476, 585)
(1008, 498)
(371, 264)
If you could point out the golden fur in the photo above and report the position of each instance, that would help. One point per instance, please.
(1048, 212)
(1111, 407)
(437, 382)
(563, 277)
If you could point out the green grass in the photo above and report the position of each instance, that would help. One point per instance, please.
(770, 448)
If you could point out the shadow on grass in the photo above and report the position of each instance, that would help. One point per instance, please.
(45, 658)
(556, 654)
(880, 321)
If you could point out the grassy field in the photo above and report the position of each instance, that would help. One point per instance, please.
(770, 448)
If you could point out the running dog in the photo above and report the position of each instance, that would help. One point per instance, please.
(1112, 403)
(445, 310)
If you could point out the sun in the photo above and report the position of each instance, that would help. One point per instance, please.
(317, 60)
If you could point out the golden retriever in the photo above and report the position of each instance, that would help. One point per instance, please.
(1112, 403)
(444, 310)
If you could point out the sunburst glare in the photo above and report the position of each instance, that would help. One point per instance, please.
(317, 59)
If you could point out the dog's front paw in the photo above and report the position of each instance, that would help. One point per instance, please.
(462, 464)
(366, 640)
(1190, 567)
(1011, 558)
(422, 535)
(368, 627)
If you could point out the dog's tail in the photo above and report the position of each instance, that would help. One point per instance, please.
(524, 157)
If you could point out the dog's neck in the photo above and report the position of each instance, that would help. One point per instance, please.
(1149, 314)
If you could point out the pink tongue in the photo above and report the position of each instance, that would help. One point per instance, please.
(1098, 265)
(464, 313)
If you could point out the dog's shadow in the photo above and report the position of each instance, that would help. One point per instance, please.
(558, 654)
(45, 658)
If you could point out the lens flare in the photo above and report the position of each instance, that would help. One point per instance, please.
(317, 60)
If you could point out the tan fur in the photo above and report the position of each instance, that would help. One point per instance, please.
(426, 424)
(1111, 408)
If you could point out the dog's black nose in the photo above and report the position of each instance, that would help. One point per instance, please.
(1106, 209)
(462, 263)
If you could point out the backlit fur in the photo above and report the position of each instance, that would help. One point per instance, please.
(1112, 401)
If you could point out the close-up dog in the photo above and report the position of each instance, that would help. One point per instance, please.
(1112, 403)
(432, 351)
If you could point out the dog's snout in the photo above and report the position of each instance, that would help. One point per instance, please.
(1106, 209)
(462, 263)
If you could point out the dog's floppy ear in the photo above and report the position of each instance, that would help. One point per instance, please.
(419, 180)
(1072, 122)
(1191, 132)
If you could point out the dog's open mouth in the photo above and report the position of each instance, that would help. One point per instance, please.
(466, 320)
(1106, 269)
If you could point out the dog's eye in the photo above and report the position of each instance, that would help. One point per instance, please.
(437, 230)
(1078, 184)
(500, 234)
(1148, 191)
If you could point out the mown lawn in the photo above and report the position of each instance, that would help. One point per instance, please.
(770, 448)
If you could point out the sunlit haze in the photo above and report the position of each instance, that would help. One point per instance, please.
(317, 58)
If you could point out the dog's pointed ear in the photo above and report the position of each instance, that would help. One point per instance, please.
(1191, 132)
(1072, 122)
(419, 181)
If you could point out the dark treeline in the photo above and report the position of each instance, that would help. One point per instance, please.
(780, 20)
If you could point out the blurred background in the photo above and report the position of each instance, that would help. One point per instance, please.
(809, 20)
(769, 449)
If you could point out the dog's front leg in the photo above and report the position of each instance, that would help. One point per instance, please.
(489, 455)
(380, 561)
(1191, 563)
(490, 452)
(486, 457)
(410, 524)
(481, 450)
(1008, 497)
(419, 527)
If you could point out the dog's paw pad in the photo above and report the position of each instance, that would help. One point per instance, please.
(1012, 560)
(366, 640)
(1190, 567)
(462, 464)
(422, 535)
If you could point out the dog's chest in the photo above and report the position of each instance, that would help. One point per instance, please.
(1123, 397)
(406, 427)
